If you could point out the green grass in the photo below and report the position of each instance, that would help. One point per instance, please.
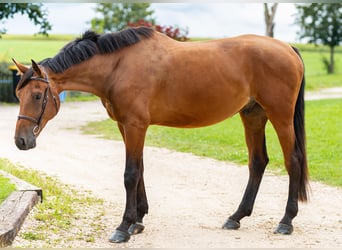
(51, 37)
(6, 188)
(76, 96)
(315, 73)
(225, 141)
(315, 48)
(63, 209)
(23, 48)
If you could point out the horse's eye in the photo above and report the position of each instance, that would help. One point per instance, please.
(38, 96)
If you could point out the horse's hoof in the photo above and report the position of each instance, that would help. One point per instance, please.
(284, 229)
(231, 225)
(136, 228)
(119, 237)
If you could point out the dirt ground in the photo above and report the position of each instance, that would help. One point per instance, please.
(190, 197)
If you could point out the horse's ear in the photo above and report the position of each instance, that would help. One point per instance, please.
(36, 68)
(21, 68)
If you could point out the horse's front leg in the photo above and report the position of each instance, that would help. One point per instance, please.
(142, 205)
(134, 142)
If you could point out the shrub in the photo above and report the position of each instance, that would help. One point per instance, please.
(179, 34)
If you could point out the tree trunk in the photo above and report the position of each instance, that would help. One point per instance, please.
(331, 67)
(269, 18)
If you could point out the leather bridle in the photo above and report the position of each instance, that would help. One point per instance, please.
(37, 121)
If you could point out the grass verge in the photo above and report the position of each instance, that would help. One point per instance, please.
(225, 141)
(66, 218)
(6, 188)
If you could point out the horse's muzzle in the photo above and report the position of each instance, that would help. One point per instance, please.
(25, 143)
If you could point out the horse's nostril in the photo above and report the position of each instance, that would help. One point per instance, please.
(20, 142)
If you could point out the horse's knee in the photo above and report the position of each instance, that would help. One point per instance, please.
(131, 178)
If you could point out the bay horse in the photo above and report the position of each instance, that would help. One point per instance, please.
(144, 77)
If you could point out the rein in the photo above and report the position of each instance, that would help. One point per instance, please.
(37, 121)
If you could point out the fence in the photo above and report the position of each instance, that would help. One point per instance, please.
(7, 93)
(5, 78)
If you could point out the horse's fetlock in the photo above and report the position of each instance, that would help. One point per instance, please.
(248, 212)
(130, 219)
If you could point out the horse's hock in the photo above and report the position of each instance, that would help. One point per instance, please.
(15, 208)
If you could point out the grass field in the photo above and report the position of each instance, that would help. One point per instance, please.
(225, 141)
(6, 187)
(25, 47)
(315, 73)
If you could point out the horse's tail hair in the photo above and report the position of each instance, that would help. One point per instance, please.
(300, 145)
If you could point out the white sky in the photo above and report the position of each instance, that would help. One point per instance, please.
(214, 20)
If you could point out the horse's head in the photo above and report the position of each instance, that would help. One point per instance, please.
(39, 103)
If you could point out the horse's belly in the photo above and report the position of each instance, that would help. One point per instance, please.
(197, 112)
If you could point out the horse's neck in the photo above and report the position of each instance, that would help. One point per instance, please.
(88, 76)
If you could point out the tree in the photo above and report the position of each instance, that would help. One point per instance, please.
(269, 13)
(34, 12)
(321, 23)
(116, 16)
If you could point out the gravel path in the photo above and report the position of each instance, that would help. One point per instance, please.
(189, 196)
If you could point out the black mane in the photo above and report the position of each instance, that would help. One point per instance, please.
(87, 46)
(91, 44)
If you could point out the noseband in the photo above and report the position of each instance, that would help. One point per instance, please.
(37, 121)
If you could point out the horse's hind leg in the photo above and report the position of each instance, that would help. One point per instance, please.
(294, 160)
(254, 120)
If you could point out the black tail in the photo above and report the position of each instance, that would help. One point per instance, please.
(300, 147)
